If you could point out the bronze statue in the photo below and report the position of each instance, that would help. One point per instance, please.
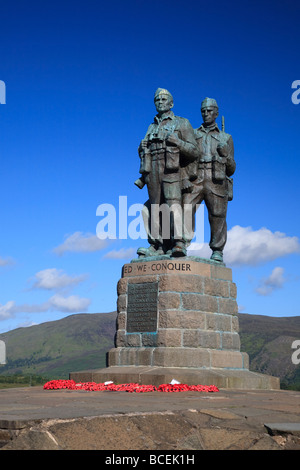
(183, 167)
(168, 155)
(213, 184)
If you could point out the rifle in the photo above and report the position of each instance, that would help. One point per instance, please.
(223, 124)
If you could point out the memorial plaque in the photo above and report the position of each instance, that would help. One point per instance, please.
(142, 307)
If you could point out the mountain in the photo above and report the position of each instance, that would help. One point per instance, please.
(268, 341)
(81, 341)
(53, 349)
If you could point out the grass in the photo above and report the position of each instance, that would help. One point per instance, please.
(17, 380)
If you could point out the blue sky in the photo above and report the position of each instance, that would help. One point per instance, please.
(80, 79)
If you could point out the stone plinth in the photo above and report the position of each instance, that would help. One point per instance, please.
(195, 312)
(179, 317)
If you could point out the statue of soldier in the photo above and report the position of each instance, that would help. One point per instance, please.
(213, 184)
(168, 155)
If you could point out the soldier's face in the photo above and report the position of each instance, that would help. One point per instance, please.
(163, 103)
(209, 114)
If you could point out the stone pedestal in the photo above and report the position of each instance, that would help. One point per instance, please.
(178, 318)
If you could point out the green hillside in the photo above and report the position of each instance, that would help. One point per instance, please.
(81, 341)
(268, 342)
(53, 349)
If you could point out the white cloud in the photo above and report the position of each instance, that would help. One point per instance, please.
(121, 254)
(273, 282)
(6, 261)
(50, 279)
(55, 279)
(246, 246)
(199, 249)
(80, 243)
(7, 310)
(27, 324)
(71, 304)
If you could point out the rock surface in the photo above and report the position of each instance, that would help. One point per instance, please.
(37, 419)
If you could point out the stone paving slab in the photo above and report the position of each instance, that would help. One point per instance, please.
(33, 418)
(283, 428)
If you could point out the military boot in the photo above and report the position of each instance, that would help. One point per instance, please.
(179, 250)
(217, 255)
(153, 250)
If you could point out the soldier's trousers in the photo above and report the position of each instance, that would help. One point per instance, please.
(205, 190)
(162, 213)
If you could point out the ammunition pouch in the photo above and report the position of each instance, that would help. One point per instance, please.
(171, 187)
(172, 158)
(192, 170)
(229, 188)
(145, 165)
(218, 169)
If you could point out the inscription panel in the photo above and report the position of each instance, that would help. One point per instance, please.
(142, 307)
(171, 266)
